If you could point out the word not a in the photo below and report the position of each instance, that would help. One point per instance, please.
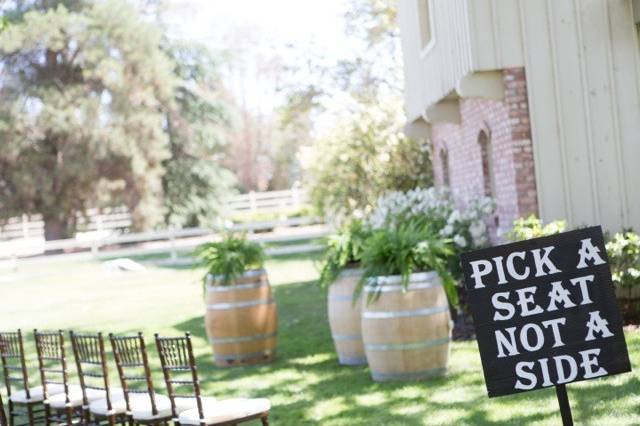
(532, 337)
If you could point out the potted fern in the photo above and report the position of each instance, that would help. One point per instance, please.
(341, 274)
(241, 316)
(406, 322)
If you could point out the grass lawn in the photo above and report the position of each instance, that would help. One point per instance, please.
(305, 384)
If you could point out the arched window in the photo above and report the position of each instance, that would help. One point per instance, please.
(444, 164)
(487, 164)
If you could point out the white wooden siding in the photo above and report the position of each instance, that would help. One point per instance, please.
(583, 76)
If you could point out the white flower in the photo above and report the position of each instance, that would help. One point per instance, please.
(454, 217)
(460, 241)
(447, 230)
(477, 229)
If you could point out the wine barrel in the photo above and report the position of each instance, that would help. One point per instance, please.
(344, 318)
(241, 319)
(407, 334)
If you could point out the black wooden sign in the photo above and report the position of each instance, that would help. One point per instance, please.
(545, 312)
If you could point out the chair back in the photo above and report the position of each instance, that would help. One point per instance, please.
(179, 369)
(52, 360)
(131, 358)
(91, 362)
(14, 366)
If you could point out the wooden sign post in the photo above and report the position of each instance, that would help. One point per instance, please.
(545, 314)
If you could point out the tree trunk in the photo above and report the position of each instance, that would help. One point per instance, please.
(55, 228)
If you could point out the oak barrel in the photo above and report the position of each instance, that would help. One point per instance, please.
(407, 334)
(344, 318)
(241, 319)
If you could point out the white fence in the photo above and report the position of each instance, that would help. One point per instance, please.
(32, 226)
(267, 201)
(170, 241)
(107, 231)
(113, 220)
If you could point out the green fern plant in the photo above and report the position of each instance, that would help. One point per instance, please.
(229, 258)
(344, 249)
(403, 250)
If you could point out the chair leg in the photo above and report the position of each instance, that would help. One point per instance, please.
(11, 414)
(47, 415)
(30, 414)
(265, 420)
(69, 413)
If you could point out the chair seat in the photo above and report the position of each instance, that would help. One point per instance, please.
(225, 411)
(36, 394)
(140, 405)
(96, 394)
(98, 404)
(184, 404)
(58, 401)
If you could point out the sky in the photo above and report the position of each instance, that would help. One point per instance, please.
(257, 30)
(281, 21)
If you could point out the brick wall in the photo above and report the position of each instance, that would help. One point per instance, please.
(511, 155)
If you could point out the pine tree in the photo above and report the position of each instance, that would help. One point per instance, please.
(85, 87)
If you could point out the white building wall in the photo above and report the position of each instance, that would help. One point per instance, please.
(581, 58)
(583, 77)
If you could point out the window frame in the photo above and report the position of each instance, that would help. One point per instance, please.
(425, 16)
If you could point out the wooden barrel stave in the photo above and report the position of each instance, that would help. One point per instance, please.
(344, 318)
(407, 334)
(241, 320)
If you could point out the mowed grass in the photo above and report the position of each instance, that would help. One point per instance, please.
(305, 384)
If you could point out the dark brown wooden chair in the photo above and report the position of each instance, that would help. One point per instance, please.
(64, 407)
(101, 402)
(3, 416)
(177, 361)
(144, 405)
(24, 401)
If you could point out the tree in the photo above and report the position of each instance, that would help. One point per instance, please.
(194, 181)
(363, 157)
(84, 87)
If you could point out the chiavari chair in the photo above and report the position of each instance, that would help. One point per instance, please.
(66, 406)
(144, 405)
(101, 402)
(24, 401)
(180, 371)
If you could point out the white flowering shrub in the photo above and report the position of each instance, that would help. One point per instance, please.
(532, 227)
(624, 257)
(435, 208)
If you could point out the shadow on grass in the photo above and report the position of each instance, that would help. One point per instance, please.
(307, 386)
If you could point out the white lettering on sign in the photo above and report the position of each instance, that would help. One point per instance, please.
(558, 294)
(480, 269)
(514, 266)
(524, 337)
(544, 261)
(508, 344)
(588, 252)
(512, 269)
(555, 328)
(525, 298)
(563, 369)
(589, 360)
(584, 289)
(538, 332)
(499, 305)
(597, 324)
